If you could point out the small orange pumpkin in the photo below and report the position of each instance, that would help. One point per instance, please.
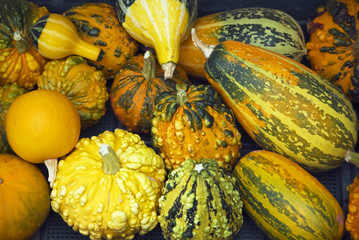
(24, 198)
(192, 122)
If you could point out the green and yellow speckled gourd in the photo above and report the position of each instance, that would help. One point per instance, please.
(8, 93)
(19, 61)
(270, 29)
(285, 201)
(160, 24)
(81, 83)
(285, 107)
(97, 23)
(192, 122)
(108, 187)
(200, 201)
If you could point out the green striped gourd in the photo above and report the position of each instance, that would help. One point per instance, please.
(283, 105)
(285, 201)
(270, 29)
(200, 201)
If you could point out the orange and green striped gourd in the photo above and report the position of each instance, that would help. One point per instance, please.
(283, 105)
(286, 201)
(268, 28)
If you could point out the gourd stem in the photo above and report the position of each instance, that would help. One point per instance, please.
(149, 66)
(205, 49)
(352, 157)
(22, 44)
(111, 162)
(51, 165)
(182, 97)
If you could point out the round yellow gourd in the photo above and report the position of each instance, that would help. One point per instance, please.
(41, 125)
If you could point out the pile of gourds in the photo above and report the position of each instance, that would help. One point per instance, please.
(194, 86)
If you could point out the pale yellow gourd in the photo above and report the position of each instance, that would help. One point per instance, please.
(160, 24)
(109, 186)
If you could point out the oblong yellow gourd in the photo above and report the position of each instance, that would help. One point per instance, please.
(161, 24)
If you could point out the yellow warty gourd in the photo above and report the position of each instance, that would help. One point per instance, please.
(109, 186)
(161, 24)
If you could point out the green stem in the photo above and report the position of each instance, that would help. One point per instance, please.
(111, 162)
(182, 97)
(149, 66)
(352, 157)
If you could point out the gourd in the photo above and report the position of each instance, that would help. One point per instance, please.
(135, 88)
(333, 44)
(193, 123)
(351, 222)
(81, 83)
(25, 198)
(285, 107)
(41, 126)
(270, 29)
(200, 201)
(8, 93)
(160, 24)
(97, 24)
(108, 187)
(54, 36)
(285, 201)
(19, 61)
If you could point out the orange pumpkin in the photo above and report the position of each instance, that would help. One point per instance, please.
(41, 126)
(97, 23)
(333, 45)
(24, 198)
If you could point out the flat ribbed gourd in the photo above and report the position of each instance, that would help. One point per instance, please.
(192, 122)
(200, 201)
(283, 105)
(160, 24)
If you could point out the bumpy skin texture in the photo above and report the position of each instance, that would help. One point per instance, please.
(352, 220)
(333, 45)
(192, 122)
(200, 201)
(97, 23)
(8, 93)
(19, 61)
(82, 84)
(98, 200)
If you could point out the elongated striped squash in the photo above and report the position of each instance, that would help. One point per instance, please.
(268, 28)
(285, 201)
(283, 105)
(200, 201)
